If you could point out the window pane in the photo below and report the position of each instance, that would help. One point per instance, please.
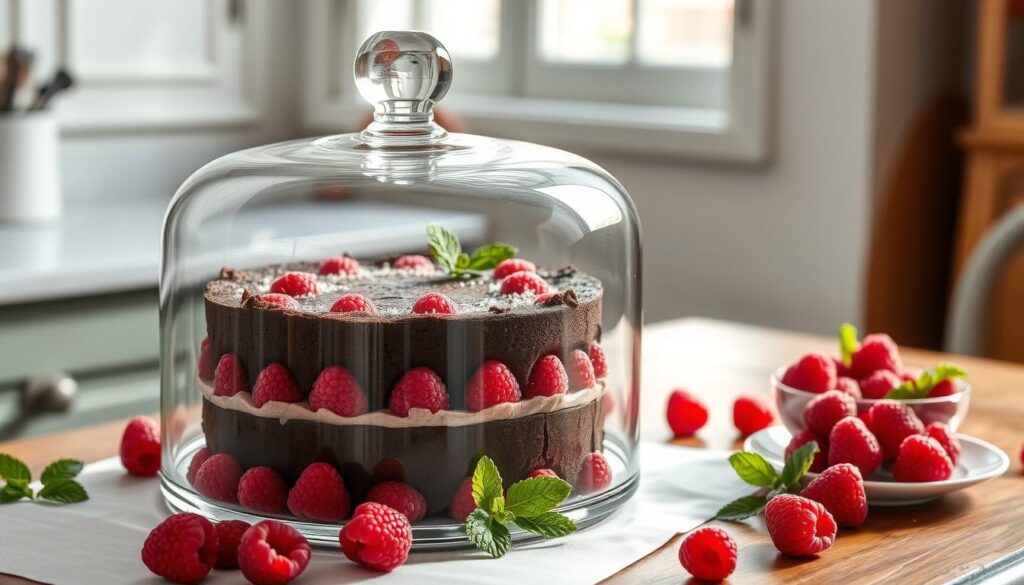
(685, 32)
(586, 31)
(469, 29)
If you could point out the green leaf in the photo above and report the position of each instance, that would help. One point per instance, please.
(487, 534)
(444, 245)
(13, 469)
(536, 495)
(742, 508)
(548, 525)
(67, 468)
(948, 370)
(753, 469)
(487, 257)
(64, 490)
(798, 463)
(848, 343)
(923, 385)
(486, 484)
(498, 511)
(15, 490)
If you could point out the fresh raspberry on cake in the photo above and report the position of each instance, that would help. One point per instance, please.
(686, 414)
(751, 414)
(200, 457)
(272, 553)
(852, 442)
(547, 378)
(946, 387)
(799, 527)
(400, 496)
(346, 265)
(708, 553)
(353, 303)
(879, 384)
(206, 363)
(581, 371)
(806, 436)
(492, 384)
(595, 475)
(140, 447)
(434, 303)
(182, 548)
(319, 494)
(599, 360)
(230, 377)
(813, 372)
(377, 537)
(296, 284)
(877, 352)
(825, 410)
(218, 478)
(229, 535)
(275, 384)
(511, 266)
(337, 390)
(946, 437)
(262, 489)
(280, 300)
(463, 503)
(921, 458)
(891, 422)
(412, 262)
(840, 489)
(420, 387)
(544, 297)
(542, 472)
(523, 282)
(849, 386)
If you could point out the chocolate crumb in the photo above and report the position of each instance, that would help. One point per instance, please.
(499, 310)
(566, 297)
(249, 298)
(228, 273)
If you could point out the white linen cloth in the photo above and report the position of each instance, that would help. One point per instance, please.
(99, 541)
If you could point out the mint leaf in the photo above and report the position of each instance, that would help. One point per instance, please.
(67, 468)
(447, 251)
(487, 485)
(535, 496)
(948, 370)
(487, 257)
(444, 245)
(923, 385)
(742, 508)
(798, 463)
(753, 469)
(13, 469)
(906, 391)
(548, 525)
(15, 490)
(64, 490)
(488, 534)
(848, 343)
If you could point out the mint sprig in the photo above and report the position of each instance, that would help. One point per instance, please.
(530, 505)
(923, 385)
(58, 481)
(447, 251)
(848, 344)
(755, 470)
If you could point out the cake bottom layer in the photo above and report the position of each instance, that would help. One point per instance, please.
(434, 460)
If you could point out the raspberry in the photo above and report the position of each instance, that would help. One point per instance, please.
(272, 553)
(182, 548)
(595, 475)
(599, 360)
(814, 372)
(412, 262)
(281, 300)
(337, 390)
(581, 371)
(945, 436)
(544, 297)
(389, 469)
(841, 490)
(320, 494)
(400, 496)
(946, 387)
(542, 472)
(751, 414)
(849, 386)
(877, 352)
(261, 489)
(547, 378)
(842, 370)
(878, 384)
(522, 282)
(340, 265)
(608, 403)
(218, 477)
(295, 284)
(709, 554)
(686, 414)
(200, 457)
(799, 527)
(206, 364)
(229, 534)
(377, 537)
(511, 266)
(433, 303)
(891, 422)
(921, 458)
(353, 303)
(420, 387)
(806, 436)
(275, 384)
(492, 384)
(462, 502)
(230, 377)
(140, 447)
(825, 410)
(852, 442)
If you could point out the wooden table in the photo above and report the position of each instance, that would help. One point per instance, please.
(952, 538)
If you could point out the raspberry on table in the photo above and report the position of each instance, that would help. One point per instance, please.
(542, 472)
(296, 284)
(182, 548)
(218, 478)
(825, 410)
(806, 436)
(686, 414)
(140, 447)
(377, 537)
(580, 371)
(840, 489)
(420, 387)
(262, 489)
(799, 527)
(849, 386)
(229, 535)
(200, 457)
(412, 262)
(921, 458)
(751, 414)
(598, 358)
(493, 383)
(400, 496)
(463, 503)
(813, 372)
(434, 303)
(852, 442)
(206, 363)
(946, 387)
(877, 352)
(280, 300)
(319, 494)
(878, 384)
(353, 303)
(511, 266)
(340, 265)
(708, 553)
(275, 384)
(230, 377)
(272, 553)
(337, 390)
(547, 378)
(946, 437)
(595, 475)
(523, 282)
(891, 422)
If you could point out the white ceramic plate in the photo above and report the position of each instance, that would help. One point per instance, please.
(979, 461)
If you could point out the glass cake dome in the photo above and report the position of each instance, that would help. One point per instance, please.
(391, 306)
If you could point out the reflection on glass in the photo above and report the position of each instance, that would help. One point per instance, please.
(685, 32)
(470, 29)
(586, 31)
